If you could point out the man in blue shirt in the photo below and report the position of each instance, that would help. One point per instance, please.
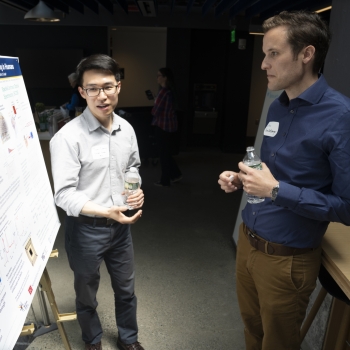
(304, 179)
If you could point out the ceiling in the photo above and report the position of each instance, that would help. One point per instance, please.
(254, 11)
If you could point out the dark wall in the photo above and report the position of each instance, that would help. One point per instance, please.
(178, 57)
(237, 94)
(48, 54)
(337, 69)
(208, 66)
(208, 57)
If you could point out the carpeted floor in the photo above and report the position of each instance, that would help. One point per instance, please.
(185, 259)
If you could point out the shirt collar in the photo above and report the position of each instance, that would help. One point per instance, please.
(116, 123)
(94, 124)
(312, 95)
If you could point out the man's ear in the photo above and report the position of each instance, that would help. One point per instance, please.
(308, 53)
(82, 92)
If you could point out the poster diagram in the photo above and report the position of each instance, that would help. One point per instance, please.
(28, 218)
(8, 248)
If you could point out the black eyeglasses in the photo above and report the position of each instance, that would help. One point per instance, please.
(108, 90)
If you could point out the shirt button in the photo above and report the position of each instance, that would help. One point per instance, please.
(253, 212)
(272, 154)
(112, 157)
(113, 175)
(113, 193)
(292, 111)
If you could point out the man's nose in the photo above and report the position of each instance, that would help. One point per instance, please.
(102, 94)
(264, 64)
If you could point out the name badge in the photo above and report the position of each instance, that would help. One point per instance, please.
(99, 152)
(271, 129)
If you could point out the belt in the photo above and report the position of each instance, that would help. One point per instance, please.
(272, 248)
(93, 221)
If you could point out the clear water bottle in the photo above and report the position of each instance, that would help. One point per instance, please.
(252, 160)
(131, 183)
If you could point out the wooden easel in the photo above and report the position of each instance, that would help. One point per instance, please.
(45, 284)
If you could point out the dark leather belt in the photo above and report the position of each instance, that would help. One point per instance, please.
(101, 222)
(272, 248)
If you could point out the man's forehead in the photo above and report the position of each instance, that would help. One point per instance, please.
(275, 38)
(97, 77)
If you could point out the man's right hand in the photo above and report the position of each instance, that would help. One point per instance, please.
(116, 213)
(229, 181)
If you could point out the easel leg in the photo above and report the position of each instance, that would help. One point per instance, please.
(47, 326)
(46, 286)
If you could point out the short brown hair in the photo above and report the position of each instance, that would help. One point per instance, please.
(304, 28)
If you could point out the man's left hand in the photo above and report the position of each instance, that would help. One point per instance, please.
(137, 199)
(257, 182)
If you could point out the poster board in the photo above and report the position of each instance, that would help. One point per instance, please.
(269, 98)
(28, 217)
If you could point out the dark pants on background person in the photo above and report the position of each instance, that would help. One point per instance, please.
(273, 294)
(87, 245)
(166, 142)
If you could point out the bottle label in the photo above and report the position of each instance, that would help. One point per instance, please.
(131, 186)
(256, 166)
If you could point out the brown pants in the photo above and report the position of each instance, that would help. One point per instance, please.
(273, 294)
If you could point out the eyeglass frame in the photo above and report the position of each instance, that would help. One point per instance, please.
(103, 89)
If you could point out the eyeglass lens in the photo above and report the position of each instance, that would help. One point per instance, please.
(108, 90)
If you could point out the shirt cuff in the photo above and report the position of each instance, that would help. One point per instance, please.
(288, 195)
(74, 209)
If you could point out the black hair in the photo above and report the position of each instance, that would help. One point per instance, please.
(167, 72)
(99, 62)
(170, 84)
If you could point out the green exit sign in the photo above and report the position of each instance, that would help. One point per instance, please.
(233, 36)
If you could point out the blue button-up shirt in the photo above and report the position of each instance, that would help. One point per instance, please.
(310, 157)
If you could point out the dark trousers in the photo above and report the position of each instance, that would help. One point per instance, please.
(86, 247)
(166, 143)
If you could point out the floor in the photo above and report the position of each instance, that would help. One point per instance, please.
(185, 265)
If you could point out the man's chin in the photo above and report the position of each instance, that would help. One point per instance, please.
(272, 87)
(101, 114)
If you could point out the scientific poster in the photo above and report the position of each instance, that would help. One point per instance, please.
(28, 218)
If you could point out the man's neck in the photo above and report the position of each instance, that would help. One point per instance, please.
(304, 85)
(107, 121)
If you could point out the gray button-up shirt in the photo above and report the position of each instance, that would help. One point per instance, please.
(89, 162)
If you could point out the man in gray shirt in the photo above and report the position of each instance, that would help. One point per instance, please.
(90, 156)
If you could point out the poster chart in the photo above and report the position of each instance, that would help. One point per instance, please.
(28, 218)
(269, 98)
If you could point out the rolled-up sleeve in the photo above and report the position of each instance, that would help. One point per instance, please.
(66, 166)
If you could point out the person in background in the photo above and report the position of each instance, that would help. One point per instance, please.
(304, 179)
(166, 124)
(90, 156)
(76, 99)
